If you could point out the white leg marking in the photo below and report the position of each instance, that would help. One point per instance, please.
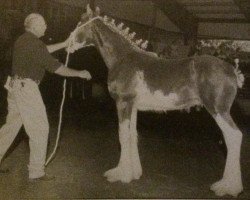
(231, 182)
(124, 137)
(123, 172)
(136, 164)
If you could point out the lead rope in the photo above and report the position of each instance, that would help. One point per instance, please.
(75, 46)
(61, 109)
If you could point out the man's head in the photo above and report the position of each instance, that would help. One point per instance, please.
(35, 24)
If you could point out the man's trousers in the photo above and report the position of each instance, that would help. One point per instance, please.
(26, 107)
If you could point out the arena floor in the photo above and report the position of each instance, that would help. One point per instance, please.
(182, 155)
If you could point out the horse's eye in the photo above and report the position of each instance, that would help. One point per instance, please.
(84, 18)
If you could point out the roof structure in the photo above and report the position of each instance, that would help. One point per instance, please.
(223, 19)
(235, 11)
(212, 18)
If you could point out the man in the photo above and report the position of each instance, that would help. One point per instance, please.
(25, 105)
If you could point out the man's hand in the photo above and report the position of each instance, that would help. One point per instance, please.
(85, 74)
(69, 40)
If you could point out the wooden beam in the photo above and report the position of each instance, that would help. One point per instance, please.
(244, 6)
(224, 30)
(184, 20)
(219, 20)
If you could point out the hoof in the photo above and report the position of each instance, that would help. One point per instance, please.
(137, 174)
(118, 174)
(225, 187)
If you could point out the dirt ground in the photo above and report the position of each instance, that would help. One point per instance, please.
(182, 155)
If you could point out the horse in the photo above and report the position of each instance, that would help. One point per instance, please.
(139, 80)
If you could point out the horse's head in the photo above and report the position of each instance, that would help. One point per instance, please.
(85, 27)
(112, 41)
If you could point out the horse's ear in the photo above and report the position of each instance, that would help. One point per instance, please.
(89, 11)
(97, 11)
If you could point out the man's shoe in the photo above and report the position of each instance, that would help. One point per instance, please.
(4, 171)
(43, 178)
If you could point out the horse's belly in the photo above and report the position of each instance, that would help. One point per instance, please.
(146, 99)
(157, 101)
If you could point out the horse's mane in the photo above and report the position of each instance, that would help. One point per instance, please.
(130, 37)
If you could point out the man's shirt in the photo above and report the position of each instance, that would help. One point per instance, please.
(31, 58)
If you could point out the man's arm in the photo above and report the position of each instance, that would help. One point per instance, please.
(65, 71)
(54, 47)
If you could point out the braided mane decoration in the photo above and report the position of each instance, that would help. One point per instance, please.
(125, 33)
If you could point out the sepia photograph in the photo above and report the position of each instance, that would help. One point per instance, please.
(124, 99)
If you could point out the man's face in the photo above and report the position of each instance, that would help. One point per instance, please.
(40, 27)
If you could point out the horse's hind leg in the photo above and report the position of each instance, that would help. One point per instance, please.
(124, 170)
(231, 182)
(219, 105)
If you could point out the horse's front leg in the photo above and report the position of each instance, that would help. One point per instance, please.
(124, 171)
(136, 163)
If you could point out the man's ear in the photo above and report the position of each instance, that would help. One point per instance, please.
(89, 11)
(97, 11)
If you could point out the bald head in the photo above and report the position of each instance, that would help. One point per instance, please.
(36, 24)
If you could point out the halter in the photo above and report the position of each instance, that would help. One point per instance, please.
(73, 45)
(86, 23)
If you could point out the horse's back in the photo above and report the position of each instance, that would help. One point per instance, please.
(206, 64)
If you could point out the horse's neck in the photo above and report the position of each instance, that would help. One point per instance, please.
(114, 48)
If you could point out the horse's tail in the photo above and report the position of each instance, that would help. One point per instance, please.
(239, 76)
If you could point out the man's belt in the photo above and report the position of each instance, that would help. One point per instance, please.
(17, 77)
(11, 79)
